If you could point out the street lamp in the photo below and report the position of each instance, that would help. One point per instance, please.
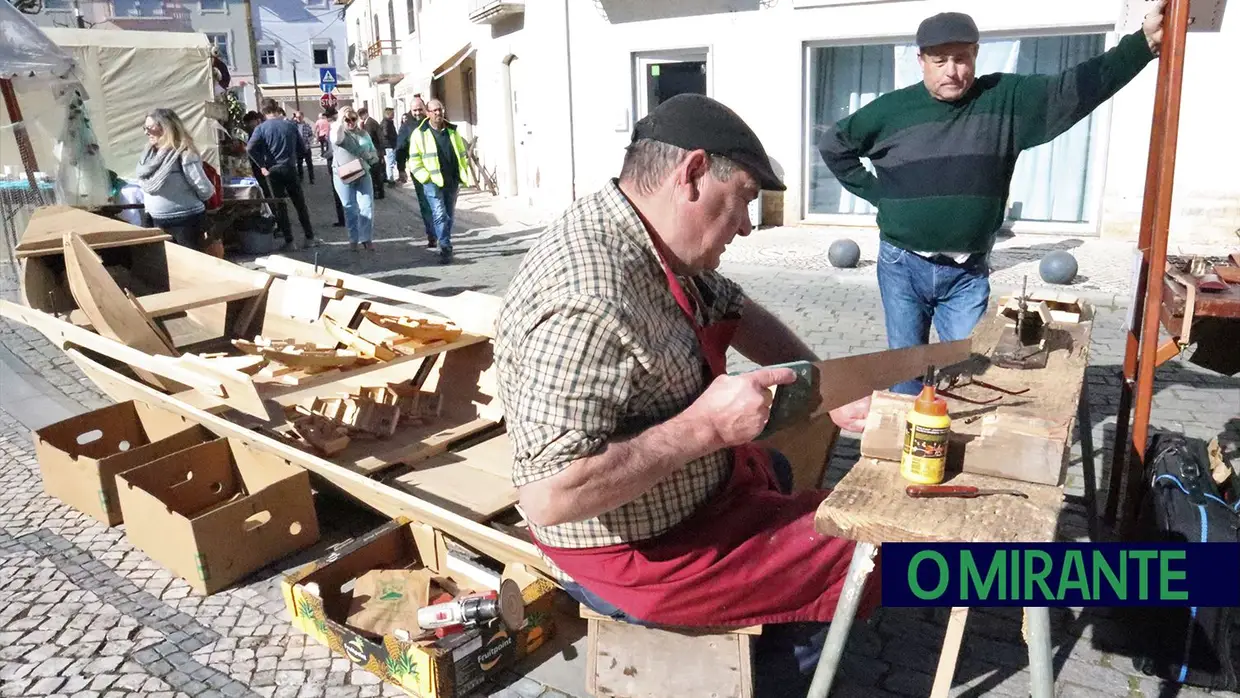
(296, 91)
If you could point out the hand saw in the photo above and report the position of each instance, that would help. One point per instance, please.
(822, 386)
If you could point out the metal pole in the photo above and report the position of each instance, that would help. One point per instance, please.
(1041, 671)
(1175, 32)
(296, 90)
(845, 611)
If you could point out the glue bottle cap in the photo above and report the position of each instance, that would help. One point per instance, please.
(928, 402)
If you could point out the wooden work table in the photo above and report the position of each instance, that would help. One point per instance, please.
(869, 505)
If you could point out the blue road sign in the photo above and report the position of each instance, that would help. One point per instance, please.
(327, 79)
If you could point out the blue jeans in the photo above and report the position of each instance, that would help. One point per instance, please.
(916, 291)
(424, 208)
(785, 654)
(443, 212)
(358, 200)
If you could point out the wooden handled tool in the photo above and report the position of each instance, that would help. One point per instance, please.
(958, 491)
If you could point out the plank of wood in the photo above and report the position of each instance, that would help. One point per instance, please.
(104, 302)
(223, 386)
(167, 303)
(46, 228)
(172, 347)
(631, 661)
(475, 481)
(246, 321)
(589, 614)
(388, 501)
(869, 506)
(471, 311)
(951, 652)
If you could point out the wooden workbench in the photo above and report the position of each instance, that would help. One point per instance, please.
(869, 505)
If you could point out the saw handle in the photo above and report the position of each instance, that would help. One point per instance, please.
(930, 491)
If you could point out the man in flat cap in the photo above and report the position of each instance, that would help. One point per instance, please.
(633, 448)
(944, 151)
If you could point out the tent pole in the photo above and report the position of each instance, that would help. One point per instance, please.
(24, 146)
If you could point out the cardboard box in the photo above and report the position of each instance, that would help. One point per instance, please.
(319, 597)
(218, 511)
(80, 457)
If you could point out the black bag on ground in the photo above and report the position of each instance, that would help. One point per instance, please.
(1191, 646)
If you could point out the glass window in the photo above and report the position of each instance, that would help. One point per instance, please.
(268, 58)
(1052, 182)
(322, 55)
(220, 41)
(212, 5)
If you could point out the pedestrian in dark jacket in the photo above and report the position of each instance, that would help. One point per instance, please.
(275, 147)
(372, 129)
(387, 142)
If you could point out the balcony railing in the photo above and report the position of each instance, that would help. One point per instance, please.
(491, 11)
(384, 59)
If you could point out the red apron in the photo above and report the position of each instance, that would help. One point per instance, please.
(748, 556)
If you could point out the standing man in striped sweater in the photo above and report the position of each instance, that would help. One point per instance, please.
(944, 151)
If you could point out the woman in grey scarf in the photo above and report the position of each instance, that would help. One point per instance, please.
(174, 185)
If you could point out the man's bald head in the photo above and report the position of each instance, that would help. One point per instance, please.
(435, 112)
(418, 109)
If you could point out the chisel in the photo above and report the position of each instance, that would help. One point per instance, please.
(957, 491)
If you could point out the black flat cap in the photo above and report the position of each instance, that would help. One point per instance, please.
(697, 122)
(947, 28)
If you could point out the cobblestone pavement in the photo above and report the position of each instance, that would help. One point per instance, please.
(82, 613)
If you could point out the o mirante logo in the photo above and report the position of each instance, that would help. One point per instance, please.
(1061, 574)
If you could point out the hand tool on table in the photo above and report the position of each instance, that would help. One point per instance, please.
(955, 491)
(1025, 346)
(825, 385)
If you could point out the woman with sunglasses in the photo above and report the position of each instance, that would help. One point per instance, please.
(174, 185)
(351, 160)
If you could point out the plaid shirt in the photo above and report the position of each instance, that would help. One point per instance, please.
(591, 346)
(307, 134)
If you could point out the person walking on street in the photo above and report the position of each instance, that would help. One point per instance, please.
(387, 132)
(351, 176)
(944, 151)
(307, 137)
(371, 127)
(437, 159)
(329, 117)
(174, 185)
(276, 146)
(417, 114)
(322, 131)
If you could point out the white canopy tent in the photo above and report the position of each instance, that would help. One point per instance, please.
(83, 95)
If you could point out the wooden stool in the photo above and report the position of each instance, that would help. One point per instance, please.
(635, 661)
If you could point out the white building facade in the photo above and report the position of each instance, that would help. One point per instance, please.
(293, 41)
(552, 89)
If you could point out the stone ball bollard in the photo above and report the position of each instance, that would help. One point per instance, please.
(1058, 267)
(844, 253)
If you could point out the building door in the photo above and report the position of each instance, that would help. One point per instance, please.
(659, 76)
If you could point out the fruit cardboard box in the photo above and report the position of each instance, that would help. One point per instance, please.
(318, 598)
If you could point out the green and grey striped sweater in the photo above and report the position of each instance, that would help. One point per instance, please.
(944, 168)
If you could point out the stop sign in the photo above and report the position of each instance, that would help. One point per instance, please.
(328, 100)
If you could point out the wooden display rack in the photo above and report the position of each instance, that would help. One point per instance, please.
(1143, 354)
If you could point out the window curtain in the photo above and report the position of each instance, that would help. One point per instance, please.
(1052, 182)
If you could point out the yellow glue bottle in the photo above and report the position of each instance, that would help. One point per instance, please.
(926, 434)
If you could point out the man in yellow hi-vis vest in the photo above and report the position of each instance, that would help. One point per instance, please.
(437, 160)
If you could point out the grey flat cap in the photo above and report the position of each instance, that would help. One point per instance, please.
(947, 28)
